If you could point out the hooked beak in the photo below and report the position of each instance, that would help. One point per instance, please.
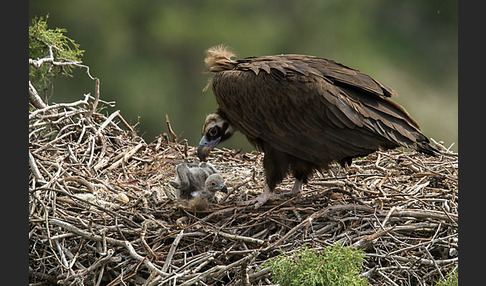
(224, 189)
(206, 146)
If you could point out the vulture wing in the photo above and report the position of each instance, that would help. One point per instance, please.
(312, 108)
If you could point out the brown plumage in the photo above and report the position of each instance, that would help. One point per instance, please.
(303, 112)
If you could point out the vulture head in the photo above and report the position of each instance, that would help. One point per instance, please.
(214, 183)
(215, 130)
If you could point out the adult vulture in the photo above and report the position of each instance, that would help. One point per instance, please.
(303, 112)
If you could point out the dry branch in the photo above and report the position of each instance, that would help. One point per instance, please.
(169, 127)
(34, 97)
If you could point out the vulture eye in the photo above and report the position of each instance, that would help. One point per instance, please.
(213, 131)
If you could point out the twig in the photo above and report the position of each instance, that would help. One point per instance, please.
(217, 270)
(329, 183)
(80, 180)
(172, 250)
(125, 157)
(364, 242)
(34, 168)
(235, 188)
(184, 141)
(108, 258)
(50, 59)
(96, 98)
(125, 123)
(425, 214)
(169, 127)
(110, 240)
(122, 278)
(108, 211)
(387, 278)
(311, 218)
(107, 121)
(245, 278)
(34, 97)
(239, 237)
(415, 259)
(387, 217)
(151, 253)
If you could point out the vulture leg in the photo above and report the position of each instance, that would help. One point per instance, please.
(297, 188)
(277, 165)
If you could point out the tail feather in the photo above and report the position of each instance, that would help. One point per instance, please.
(428, 149)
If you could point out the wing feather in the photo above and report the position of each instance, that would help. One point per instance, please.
(312, 108)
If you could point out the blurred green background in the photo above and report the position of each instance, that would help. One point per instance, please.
(149, 54)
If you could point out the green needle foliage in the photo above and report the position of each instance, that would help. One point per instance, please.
(451, 280)
(50, 44)
(335, 265)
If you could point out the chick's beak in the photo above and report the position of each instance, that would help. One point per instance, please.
(224, 189)
(205, 147)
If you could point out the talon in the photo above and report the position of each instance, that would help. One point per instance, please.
(268, 194)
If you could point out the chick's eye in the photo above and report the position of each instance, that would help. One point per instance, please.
(213, 184)
(213, 131)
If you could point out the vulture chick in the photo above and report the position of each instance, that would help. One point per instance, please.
(303, 112)
(201, 181)
(214, 183)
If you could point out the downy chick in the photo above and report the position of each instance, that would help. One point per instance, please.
(202, 199)
(191, 181)
(213, 183)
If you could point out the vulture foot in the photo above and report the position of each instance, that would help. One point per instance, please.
(269, 194)
(260, 200)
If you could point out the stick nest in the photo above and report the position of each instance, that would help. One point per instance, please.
(101, 210)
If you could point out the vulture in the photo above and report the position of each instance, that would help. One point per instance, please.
(304, 113)
(201, 181)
